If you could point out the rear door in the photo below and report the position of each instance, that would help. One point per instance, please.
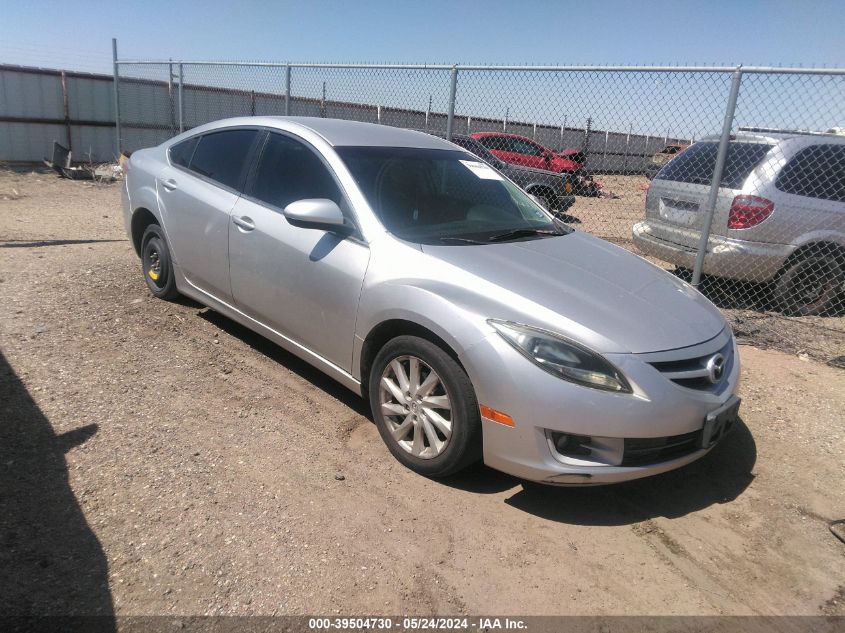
(678, 193)
(302, 282)
(197, 193)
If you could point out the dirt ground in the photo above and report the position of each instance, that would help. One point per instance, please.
(156, 458)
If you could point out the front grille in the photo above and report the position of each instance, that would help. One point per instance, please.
(693, 373)
(652, 450)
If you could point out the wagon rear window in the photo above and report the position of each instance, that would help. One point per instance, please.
(696, 164)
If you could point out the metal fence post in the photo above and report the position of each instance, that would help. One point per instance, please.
(627, 148)
(721, 156)
(179, 96)
(604, 151)
(171, 113)
(287, 90)
(116, 99)
(66, 112)
(453, 87)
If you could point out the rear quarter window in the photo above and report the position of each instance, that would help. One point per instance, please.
(181, 153)
(817, 171)
(696, 163)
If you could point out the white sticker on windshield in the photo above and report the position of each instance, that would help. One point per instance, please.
(482, 170)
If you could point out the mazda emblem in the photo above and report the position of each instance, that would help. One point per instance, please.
(715, 368)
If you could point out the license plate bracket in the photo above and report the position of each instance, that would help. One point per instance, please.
(719, 422)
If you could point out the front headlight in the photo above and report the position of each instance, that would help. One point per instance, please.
(561, 357)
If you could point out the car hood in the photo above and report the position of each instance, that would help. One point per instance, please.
(594, 291)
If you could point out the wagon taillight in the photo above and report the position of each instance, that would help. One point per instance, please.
(747, 211)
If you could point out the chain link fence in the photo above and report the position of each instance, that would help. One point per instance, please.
(732, 178)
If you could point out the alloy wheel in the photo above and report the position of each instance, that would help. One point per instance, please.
(416, 407)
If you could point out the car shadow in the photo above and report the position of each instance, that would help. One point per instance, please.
(279, 355)
(51, 562)
(41, 243)
(325, 245)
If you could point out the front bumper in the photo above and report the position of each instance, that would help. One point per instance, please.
(726, 257)
(540, 404)
(563, 203)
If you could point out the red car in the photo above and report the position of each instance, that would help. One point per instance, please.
(519, 150)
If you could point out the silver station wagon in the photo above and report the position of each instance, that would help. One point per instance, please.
(779, 218)
(476, 324)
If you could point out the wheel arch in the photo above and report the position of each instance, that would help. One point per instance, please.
(385, 331)
(141, 219)
(542, 190)
(810, 248)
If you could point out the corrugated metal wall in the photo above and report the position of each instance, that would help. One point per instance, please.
(39, 106)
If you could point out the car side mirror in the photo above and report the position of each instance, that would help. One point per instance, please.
(315, 213)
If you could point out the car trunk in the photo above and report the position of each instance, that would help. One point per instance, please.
(677, 197)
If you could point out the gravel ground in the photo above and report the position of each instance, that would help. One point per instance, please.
(156, 458)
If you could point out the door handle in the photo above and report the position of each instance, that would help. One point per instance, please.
(244, 222)
(169, 184)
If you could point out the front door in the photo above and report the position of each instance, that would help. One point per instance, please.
(302, 282)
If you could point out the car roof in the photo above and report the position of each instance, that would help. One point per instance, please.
(773, 138)
(338, 132)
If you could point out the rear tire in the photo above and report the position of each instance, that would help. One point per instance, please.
(425, 407)
(157, 265)
(810, 285)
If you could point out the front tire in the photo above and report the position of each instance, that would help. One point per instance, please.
(157, 265)
(425, 407)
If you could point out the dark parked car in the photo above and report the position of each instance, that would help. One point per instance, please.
(553, 190)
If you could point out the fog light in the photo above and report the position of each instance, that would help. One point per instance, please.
(572, 445)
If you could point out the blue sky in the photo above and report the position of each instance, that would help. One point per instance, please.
(47, 33)
(753, 32)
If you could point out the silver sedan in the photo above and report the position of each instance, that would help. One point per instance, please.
(477, 325)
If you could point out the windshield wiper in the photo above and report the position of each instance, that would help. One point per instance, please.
(525, 232)
(462, 240)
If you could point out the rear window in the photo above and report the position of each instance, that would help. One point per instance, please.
(696, 163)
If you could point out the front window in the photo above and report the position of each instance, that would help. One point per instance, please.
(444, 196)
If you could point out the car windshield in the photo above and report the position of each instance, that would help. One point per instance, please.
(435, 196)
